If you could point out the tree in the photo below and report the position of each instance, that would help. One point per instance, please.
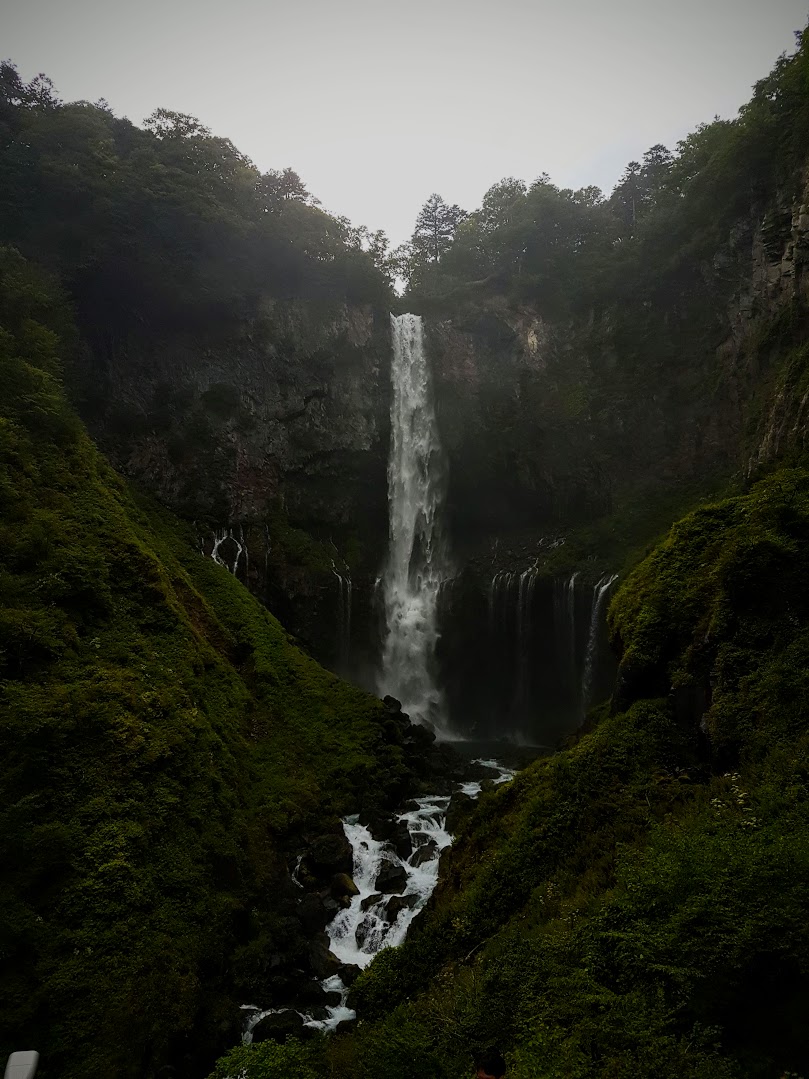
(657, 162)
(628, 196)
(165, 124)
(435, 228)
(499, 202)
(275, 188)
(38, 93)
(642, 185)
(589, 196)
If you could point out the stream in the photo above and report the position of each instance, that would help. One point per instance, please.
(375, 920)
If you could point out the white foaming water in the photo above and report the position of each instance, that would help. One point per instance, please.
(416, 565)
(474, 787)
(356, 935)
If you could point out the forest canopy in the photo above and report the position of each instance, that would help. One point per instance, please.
(167, 222)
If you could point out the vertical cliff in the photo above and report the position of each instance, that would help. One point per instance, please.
(270, 435)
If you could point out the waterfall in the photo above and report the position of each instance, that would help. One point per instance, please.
(226, 535)
(511, 636)
(570, 617)
(344, 597)
(600, 591)
(525, 598)
(416, 565)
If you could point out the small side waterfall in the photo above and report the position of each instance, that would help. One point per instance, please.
(544, 661)
(570, 622)
(511, 627)
(227, 536)
(525, 596)
(344, 598)
(416, 564)
(600, 590)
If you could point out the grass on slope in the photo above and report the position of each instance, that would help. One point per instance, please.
(160, 737)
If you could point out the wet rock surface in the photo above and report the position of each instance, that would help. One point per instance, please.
(392, 877)
(278, 1027)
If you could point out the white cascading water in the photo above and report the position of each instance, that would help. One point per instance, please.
(600, 591)
(370, 924)
(416, 563)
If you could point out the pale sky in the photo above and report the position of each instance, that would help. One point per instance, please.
(379, 103)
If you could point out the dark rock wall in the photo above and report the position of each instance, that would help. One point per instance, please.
(272, 436)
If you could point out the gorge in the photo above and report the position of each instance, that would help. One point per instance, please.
(294, 590)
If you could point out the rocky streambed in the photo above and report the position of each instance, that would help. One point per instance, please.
(382, 873)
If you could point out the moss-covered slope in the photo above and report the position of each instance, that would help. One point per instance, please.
(636, 906)
(161, 739)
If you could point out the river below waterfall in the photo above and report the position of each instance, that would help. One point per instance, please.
(377, 919)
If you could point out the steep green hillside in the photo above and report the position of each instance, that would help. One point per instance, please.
(636, 906)
(162, 738)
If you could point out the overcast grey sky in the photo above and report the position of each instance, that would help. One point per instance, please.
(379, 103)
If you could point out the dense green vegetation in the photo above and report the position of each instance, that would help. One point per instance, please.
(162, 739)
(636, 905)
(166, 223)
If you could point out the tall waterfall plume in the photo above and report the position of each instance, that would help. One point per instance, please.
(416, 563)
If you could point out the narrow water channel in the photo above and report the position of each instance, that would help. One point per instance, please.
(393, 884)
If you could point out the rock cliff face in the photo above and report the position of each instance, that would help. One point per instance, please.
(767, 319)
(272, 436)
(551, 425)
(272, 433)
(565, 441)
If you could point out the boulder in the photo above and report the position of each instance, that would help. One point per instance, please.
(278, 1027)
(343, 885)
(392, 733)
(370, 901)
(419, 737)
(398, 903)
(425, 853)
(321, 959)
(330, 854)
(311, 994)
(401, 841)
(332, 906)
(363, 930)
(380, 824)
(392, 877)
(313, 913)
(349, 974)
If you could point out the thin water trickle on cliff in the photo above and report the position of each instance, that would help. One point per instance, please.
(600, 591)
(416, 565)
